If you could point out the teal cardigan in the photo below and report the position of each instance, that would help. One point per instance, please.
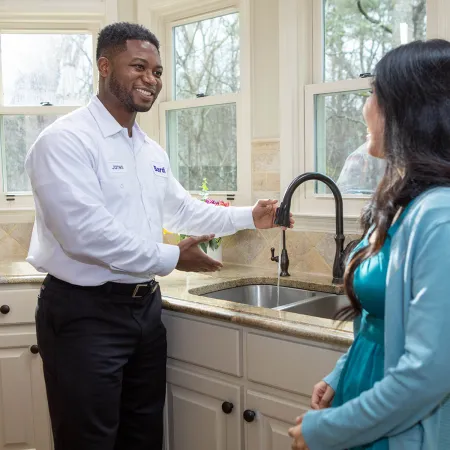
(409, 404)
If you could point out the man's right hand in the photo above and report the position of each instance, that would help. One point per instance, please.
(193, 258)
(322, 396)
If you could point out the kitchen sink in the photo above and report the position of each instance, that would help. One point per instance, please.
(326, 306)
(263, 295)
(300, 301)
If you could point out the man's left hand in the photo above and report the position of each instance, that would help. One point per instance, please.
(264, 213)
(296, 434)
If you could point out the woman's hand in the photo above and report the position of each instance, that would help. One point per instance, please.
(322, 396)
(296, 434)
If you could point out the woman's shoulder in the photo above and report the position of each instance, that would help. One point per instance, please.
(430, 209)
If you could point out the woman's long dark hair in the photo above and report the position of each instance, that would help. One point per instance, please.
(412, 88)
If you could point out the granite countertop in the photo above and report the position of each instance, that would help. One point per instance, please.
(182, 293)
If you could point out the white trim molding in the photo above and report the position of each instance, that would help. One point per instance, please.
(17, 215)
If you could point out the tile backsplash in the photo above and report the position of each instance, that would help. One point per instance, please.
(265, 169)
(308, 252)
(14, 241)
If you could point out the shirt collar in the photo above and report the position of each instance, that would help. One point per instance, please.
(106, 122)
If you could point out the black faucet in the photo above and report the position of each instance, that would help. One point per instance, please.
(284, 262)
(283, 219)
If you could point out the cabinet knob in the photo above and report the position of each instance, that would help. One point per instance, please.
(5, 309)
(34, 349)
(249, 415)
(227, 407)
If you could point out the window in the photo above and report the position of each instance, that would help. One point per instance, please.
(200, 119)
(347, 39)
(354, 35)
(44, 75)
(357, 33)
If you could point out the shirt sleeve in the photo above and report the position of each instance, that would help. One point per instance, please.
(68, 192)
(419, 383)
(186, 215)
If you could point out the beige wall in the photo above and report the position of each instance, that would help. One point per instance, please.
(127, 10)
(265, 76)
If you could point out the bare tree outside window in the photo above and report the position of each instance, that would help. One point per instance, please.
(357, 33)
(202, 141)
(207, 57)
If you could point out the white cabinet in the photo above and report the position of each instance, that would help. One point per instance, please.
(24, 419)
(201, 412)
(270, 419)
(212, 364)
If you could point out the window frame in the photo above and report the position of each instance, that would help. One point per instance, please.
(301, 79)
(31, 17)
(162, 19)
(24, 200)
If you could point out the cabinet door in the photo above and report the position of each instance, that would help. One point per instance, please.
(201, 412)
(272, 419)
(24, 419)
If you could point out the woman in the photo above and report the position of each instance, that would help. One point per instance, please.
(391, 387)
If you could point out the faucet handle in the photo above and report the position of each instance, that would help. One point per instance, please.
(273, 257)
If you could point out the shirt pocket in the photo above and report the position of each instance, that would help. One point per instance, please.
(116, 192)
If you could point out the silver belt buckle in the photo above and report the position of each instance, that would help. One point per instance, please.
(136, 290)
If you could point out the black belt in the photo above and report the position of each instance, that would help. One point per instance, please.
(130, 290)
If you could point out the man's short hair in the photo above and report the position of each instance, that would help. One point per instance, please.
(113, 38)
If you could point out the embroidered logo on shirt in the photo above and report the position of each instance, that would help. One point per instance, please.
(117, 167)
(159, 169)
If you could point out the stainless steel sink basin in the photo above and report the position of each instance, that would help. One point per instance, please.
(326, 306)
(263, 295)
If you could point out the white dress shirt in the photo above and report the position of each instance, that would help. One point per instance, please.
(103, 198)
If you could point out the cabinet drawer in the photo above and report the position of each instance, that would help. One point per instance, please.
(208, 345)
(287, 365)
(20, 305)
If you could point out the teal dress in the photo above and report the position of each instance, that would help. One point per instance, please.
(365, 362)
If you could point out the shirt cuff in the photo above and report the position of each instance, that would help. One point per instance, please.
(309, 430)
(242, 217)
(168, 258)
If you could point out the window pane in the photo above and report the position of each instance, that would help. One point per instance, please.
(359, 33)
(340, 144)
(202, 144)
(207, 57)
(55, 68)
(19, 134)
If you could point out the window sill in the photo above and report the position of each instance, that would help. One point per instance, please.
(17, 215)
(325, 224)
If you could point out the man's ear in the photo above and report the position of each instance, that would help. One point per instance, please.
(104, 66)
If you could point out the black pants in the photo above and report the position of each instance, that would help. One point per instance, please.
(104, 362)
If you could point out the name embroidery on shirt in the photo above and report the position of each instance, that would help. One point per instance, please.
(117, 167)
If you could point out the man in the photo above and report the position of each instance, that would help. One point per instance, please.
(103, 192)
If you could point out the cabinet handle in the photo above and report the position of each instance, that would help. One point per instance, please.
(249, 415)
(227, 407)
(5, 309)
(34, 349)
